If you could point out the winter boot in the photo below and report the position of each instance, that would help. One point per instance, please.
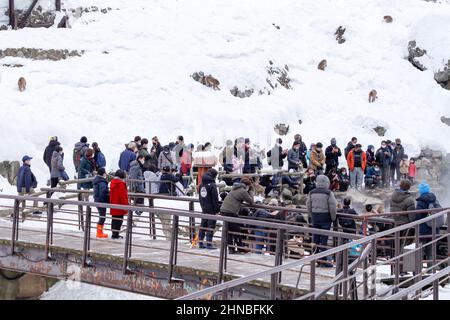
(209, 243)
(100, 233)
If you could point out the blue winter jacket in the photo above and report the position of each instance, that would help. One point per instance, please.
(423, 203)
(126, 157)
(101, 191)
(25, 179)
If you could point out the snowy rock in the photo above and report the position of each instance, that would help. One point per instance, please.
(40, 54)
(445, 120)
(277, 76)
(281, 129)
(241, 94)
(381, 131)
(443, 77)
(414, 53)
(9, 170)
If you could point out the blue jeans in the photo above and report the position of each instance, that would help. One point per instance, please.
(320, 240)
(260, 246)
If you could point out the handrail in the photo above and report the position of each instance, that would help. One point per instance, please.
(306, 260)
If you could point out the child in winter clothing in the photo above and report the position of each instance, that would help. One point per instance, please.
(101, 195)
(412, 170)
(404, 168)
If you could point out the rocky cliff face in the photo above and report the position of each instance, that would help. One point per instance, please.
(9, 170)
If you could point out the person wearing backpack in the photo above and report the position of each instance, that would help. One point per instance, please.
(127, 156)
(48, 152)
(427, 200)
(79, 151)
(165, 159)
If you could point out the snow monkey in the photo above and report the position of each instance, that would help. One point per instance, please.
(388, 19)
(210, 81)
(373, 95)
(322, 65)
(22, 83)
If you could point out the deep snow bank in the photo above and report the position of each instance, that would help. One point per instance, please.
(143, 85)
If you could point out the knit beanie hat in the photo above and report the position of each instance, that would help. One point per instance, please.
(424, 188)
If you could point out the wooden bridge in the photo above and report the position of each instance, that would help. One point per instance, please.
(157, 256)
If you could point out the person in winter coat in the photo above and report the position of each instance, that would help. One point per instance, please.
(168, 181)
(318, 158)
(383, 156)
(372, 178)
(86, 169)
(26, 182)
(186, 164)
(348, 225)
(276, 155)
(127, 156)
(58, 169)
(152, 178)
(293, 157)
(357, 162)
(344, 180)
(250, 159)
(404, 168)
(99, 157)
(412, 170)
(308, 153)
(48, 152)
(118, 195)
(155, 151)
(79, 151)
(334, 180)
(165, 159)
(332, 154)
(402, 200)
(209, 201)
(226, 160)
(321, 207)
(309, 181)
(101, 195)
(370, 156)
(426, 200)
(350, 145)
(397, 156)
(136, 174)
(145, 153)
(231, 206)
(178, 151)
(302, 151)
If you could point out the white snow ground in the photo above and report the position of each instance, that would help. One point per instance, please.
(143, 85)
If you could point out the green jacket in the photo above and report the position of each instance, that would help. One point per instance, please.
(86, 170)
(402, 201)
(233, 201)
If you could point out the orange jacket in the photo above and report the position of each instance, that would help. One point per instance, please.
(351, 160)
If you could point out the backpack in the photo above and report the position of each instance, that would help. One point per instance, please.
(439, 221)
(101, 160)
(76, 157)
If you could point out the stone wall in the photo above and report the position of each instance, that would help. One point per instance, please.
(15, 286)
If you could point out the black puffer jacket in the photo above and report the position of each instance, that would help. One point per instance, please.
(49, 152)
(208, 195)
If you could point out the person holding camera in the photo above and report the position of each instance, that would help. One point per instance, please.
(318, 158)
(383, 156)
(332, 154)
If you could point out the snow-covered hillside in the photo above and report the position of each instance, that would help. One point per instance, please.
(143, 85)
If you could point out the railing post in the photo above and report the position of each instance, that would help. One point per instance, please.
(15, 228)
(49, 235)
(365, 278)
(338, 269)
(191, 222)
(223, 253)
(312, 279)
(418, 256)
(128, 239)
(276, 277)
(173, 246)
(80, 213)
(87, 238)
(58, 5)
(345, 274)
(151, 217)
(397, 262)
(436, 282)
(373, 263)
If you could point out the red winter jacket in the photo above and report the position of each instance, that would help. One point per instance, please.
(118, 195)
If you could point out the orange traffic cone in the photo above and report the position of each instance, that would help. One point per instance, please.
(100, 233)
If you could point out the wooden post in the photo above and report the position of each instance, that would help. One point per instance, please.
(27, 14)
(58, 5)
(12, 15)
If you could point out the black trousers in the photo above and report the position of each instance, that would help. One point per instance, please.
(102, 215)
(232, 238)
(53, 184)
(116, 224)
